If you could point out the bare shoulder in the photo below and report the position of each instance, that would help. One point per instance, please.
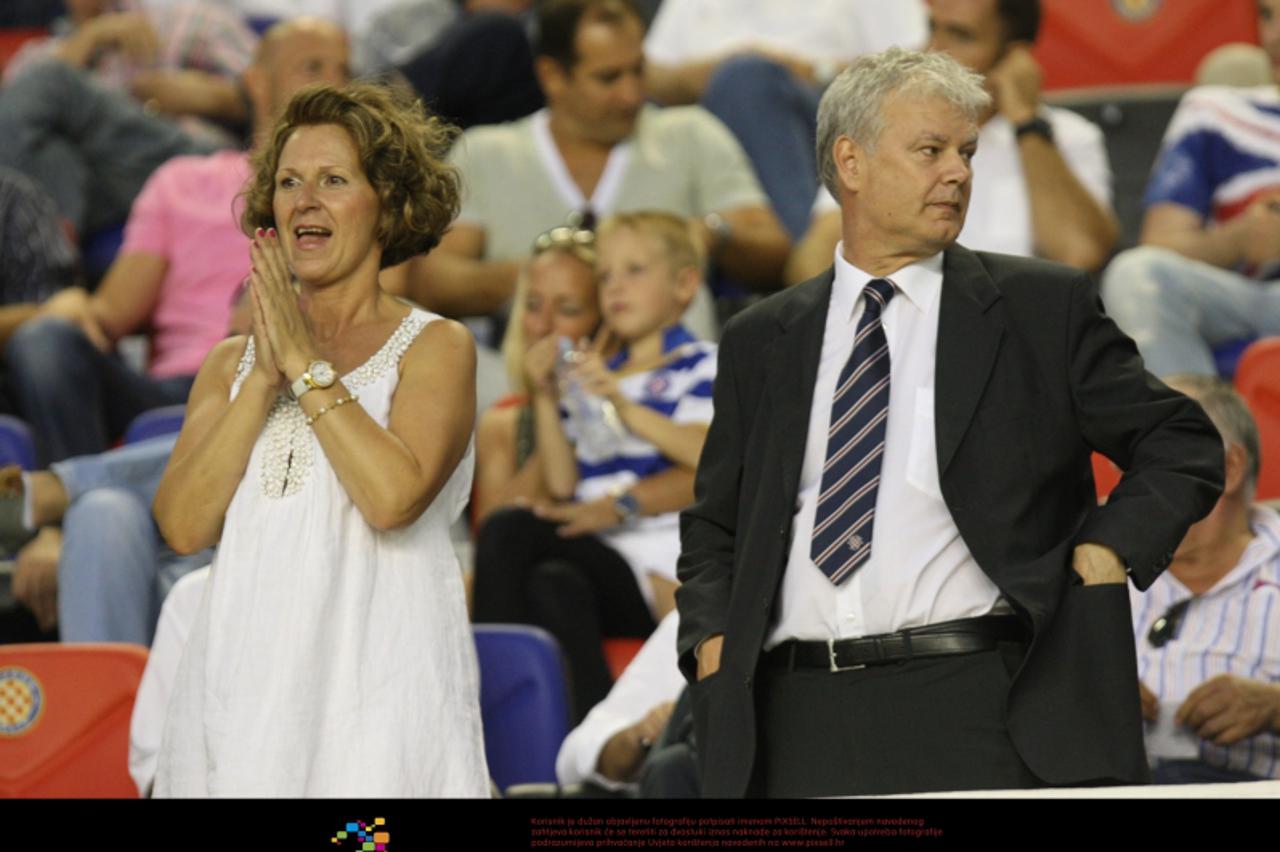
(441, 359)
(224, 359)
(443, 339)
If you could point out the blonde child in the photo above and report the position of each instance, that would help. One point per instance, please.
(602, 563)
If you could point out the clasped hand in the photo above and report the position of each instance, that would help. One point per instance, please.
(282, 338)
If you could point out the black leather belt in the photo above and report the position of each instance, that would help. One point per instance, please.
(935, 640)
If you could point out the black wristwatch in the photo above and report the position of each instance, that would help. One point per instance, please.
(1039, 125)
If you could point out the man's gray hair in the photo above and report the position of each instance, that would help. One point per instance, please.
(1230, 415)
(853, 104)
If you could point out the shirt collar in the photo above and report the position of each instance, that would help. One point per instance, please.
(920, 282)
(1264, 523)
(1265, 547)
(673, 337)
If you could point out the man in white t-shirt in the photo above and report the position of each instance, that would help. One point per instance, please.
(595, 149)
(1043, 184)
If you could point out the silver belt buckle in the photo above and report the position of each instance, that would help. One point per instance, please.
(831, 657)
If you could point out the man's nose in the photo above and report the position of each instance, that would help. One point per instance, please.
(958, 168)
(631, 90)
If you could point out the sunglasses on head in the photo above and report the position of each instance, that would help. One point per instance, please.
(564, 237)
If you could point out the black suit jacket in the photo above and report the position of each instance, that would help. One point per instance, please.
(1030, 377)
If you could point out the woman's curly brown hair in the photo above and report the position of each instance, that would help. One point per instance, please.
(401, 149)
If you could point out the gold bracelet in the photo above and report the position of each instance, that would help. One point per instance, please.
(337, 403)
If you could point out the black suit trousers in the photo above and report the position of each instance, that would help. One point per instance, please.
(919, 726)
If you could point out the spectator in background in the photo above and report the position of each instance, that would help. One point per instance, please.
(182, 260)
(38, 259)
(1208, 629)
(616, 742)
(97, 568)
(603, 562)
(596, 149)
(469, 59)
(1206, 271)
(92, 146)
(183, 59)
(1044, 182)
(89, 558)
(761, 68)
(555, 298)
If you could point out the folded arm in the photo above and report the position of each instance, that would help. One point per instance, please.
(1170, 451)
(1251, 237)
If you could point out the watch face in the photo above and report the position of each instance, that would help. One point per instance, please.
(322, 373)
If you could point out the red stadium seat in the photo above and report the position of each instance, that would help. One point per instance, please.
(12, 39)
(64, 719)
(1258, 380)
(1086, 43)
(1106, 476)
(618, 654)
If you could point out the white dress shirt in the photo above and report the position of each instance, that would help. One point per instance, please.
(920, 571)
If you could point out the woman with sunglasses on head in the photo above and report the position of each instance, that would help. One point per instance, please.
(555, 299)
(600, 560)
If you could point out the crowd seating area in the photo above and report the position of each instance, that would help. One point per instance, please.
(1124, 67)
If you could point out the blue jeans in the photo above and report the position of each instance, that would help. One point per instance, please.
(774, 115)
(1177, 309)
(115, 569)
(77, 398)
(92, 149)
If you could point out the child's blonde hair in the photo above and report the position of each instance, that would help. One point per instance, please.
(674, 233)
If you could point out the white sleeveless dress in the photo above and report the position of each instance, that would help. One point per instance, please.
(328, 659)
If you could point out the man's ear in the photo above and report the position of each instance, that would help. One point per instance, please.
(1236, 468)
(552, 76)
(850, 162)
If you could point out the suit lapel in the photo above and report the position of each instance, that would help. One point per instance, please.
(969, 336)
(792, 371)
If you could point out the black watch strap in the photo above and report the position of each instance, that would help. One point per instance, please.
(1039, 125)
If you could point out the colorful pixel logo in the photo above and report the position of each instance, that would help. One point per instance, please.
(368, 838)
(21, 700)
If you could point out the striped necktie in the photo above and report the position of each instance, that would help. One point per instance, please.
(846, 510)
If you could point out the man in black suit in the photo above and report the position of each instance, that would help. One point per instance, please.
(895, 576)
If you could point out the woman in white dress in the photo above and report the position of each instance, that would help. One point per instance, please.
(327, 455)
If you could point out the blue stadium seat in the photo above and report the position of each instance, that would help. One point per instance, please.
(16, 446)
(154, 423)
(523, 701)
(1227, 356)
